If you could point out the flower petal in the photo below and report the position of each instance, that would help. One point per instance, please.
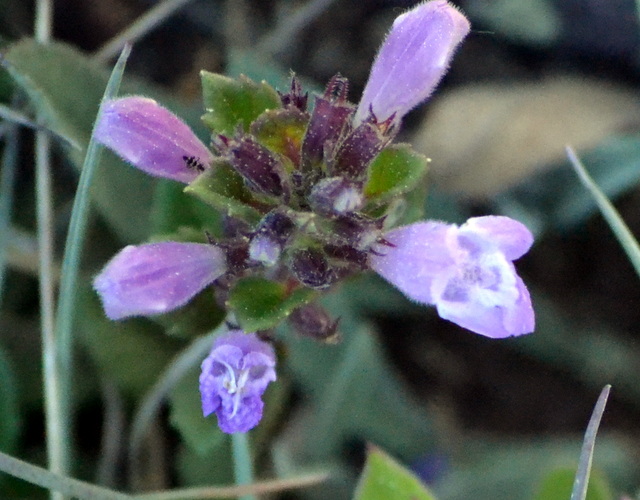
(157, 278)
(234, 376)
(498, 321)
(152, 138)
(418, 254)
(510, 236)
(412, 59)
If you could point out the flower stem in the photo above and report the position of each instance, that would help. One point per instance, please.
(242, 466)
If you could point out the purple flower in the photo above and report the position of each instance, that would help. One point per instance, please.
(157, 278)
(466, 272)
(412, 60)
(234, 377)
(152, 138)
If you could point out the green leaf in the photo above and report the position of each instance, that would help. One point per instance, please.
(215, 467)
(173, 211)
(385, 479)
(231, 102)
(222, 188)
(282, 131)
(9, 407)
(557, 485)
(200, 434)
(395, 171)
(260, 304)
(131, 352)
(198, 317)
(353, 391)
(486, 468)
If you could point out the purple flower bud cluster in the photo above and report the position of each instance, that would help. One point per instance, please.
(305, 173)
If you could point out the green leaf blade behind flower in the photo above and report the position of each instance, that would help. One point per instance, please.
(557, 485)
(385, 479)
(200, 434)
(260, 304)
(223, 189)
(230, 102)
(395, 171)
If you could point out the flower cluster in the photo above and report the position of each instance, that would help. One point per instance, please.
(310, 196)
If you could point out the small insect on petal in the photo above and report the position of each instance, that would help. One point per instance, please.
(152, 139)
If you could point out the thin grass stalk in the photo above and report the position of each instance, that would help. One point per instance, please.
(54, 423)
(70, 271)
(581, 483)
(620, 229)
(7, 190)
(139, 28)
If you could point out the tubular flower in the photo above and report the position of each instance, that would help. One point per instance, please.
(157, 278)
(466, 272)
(412, 60)
(152, 138)
(234, 376)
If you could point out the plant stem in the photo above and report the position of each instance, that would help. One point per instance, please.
(55, 428)
(242, 466)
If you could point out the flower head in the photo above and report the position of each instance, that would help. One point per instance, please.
(466, 272)
(157, 278)
(152, 138)
(412, 60)
(234, 377)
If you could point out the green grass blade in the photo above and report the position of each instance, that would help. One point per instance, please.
(586, 455)
(71, 264)
(56, 482)
(610, 214)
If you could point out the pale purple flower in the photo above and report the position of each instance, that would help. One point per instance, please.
(152, 138)
(412, 60)
(234, 377)
(157, 278)
(466, 272)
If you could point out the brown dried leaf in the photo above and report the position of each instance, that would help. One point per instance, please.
(485, 138)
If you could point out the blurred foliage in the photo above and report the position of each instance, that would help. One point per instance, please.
(337, 398)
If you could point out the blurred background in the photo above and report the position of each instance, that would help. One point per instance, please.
(475, 417)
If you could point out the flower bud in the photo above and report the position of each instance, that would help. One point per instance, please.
(152, 138)
(311, 267)
(269, 239)
(329, 119)
(157, 278)
(295, 97)
(359, 149)
(412, 60)
(335, 196)
(314, 321)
